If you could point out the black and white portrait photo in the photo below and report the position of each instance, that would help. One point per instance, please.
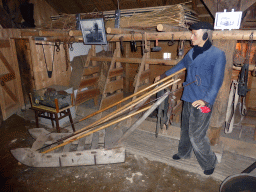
(93, 31)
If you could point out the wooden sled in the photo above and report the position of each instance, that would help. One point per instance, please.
(73, 154)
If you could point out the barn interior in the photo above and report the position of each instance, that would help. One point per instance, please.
(79, 107)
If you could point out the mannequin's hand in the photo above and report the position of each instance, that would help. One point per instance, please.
(198, 103)
(157, 79)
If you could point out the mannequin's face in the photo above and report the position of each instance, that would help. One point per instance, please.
(197, 37)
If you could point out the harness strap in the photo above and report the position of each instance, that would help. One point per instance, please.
(232, 104)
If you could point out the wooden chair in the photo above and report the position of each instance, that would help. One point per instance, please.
(54, 114)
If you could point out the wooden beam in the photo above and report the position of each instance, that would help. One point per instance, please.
(137, 60)
(7, 77)
(123, 31)
(169, 28)
(9, 92)
(6, 63)
(4, 43)
(185, 35)
(178, 35)
(221, 102)
(33, 32)
(50, 33)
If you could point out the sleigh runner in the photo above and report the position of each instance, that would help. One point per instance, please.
(76, 153)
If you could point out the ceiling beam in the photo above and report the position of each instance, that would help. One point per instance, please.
(245, 4)
(219, 5)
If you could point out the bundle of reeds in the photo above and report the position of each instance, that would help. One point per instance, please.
(175, 15)
(68, 21)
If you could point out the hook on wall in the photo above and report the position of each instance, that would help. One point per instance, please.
(171, 42)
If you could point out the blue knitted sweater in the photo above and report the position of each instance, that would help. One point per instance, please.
(208, 71)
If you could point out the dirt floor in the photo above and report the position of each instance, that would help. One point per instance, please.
(136, 174)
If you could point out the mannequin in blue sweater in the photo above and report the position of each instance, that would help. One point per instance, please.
(205, 64)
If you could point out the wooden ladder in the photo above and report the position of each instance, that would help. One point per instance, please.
(88, 88)
(143, 75)
(113, 89)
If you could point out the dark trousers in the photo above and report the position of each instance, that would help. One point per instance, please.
(194, 125)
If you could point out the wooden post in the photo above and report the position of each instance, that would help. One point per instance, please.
(221, 102)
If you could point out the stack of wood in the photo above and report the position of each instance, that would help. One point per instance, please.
(174, 15)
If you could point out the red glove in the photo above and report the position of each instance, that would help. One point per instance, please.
(205, 109)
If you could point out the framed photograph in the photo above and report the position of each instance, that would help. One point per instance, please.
(228, 20)
(93, 31)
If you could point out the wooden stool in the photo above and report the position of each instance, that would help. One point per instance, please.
(52, 114)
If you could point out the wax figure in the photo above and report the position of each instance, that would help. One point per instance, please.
(205, 65)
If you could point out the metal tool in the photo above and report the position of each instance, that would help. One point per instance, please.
(156, 48)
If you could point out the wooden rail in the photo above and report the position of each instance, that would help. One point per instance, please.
(51, 35)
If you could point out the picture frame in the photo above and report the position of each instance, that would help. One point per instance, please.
(93, 31)
(228, 20)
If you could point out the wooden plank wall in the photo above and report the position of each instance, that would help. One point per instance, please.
(60, 76)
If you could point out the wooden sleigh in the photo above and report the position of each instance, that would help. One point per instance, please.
(73, 154)
(72, 151)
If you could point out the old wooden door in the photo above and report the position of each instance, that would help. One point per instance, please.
(11, 96)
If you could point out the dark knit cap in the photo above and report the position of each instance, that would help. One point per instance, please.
(201, 25)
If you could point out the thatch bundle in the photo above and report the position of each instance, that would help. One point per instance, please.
(175, 15)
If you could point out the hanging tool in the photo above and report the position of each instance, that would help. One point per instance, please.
(121, 45)
(254, 70)
(133, 43)
(171, 42)
(243, 77)
(181, 49)
(144, 41)
(57, 45)
(162, 117)
(70, 43)
(156, 48)
(48, 71)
